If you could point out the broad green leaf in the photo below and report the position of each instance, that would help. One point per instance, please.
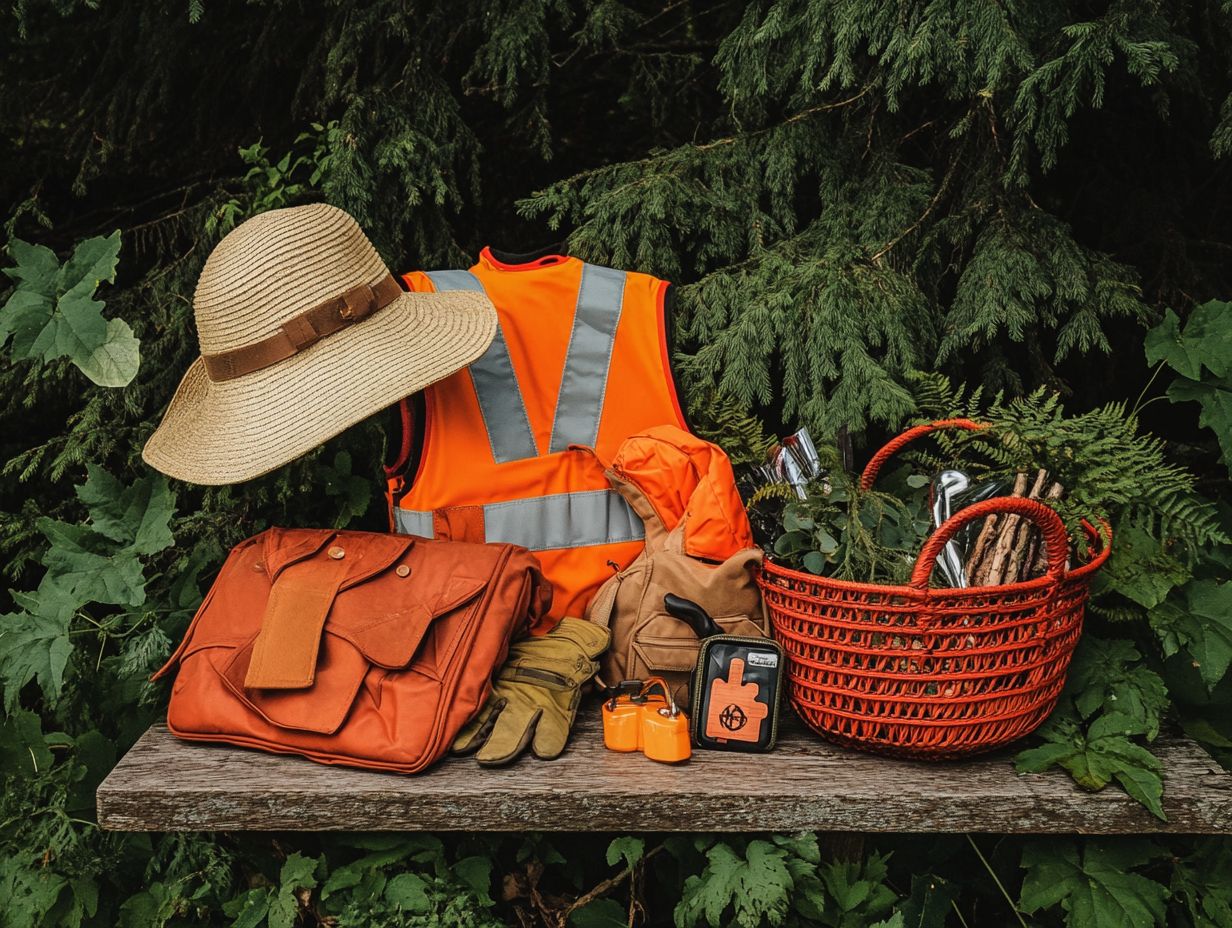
(34, 645)
(80, 329)
(138, 515)
(1109, 674)
(601, 913)
(298, 874)
(1215, 398)
(629, 848)
(24, 316)
(409, 892)
(53, 312)
(857, 890)
(114, 363)
(92, 262)
(36, 267)
(86, 571)
(23, 748)
(756, 886)
(1165, 343)
(1200, 882)
(1102, 754)
(1140, 568)
(95, 755)
(27, 895)
(476, 872)
(1095, 885)
(930, 903)
(1205, 341)
(250, 909)
(1201, 623)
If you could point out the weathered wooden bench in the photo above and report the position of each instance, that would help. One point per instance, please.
(804, 785)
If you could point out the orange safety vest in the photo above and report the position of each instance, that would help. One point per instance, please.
(580, 362)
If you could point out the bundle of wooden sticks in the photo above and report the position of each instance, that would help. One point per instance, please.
(1008, 548)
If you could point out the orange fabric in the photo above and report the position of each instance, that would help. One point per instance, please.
(284, 656)
(690, 480)
(536, 306)
(402, 655)
(733, 706)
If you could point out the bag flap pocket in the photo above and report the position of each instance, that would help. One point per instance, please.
(387, 621)
(320, 708)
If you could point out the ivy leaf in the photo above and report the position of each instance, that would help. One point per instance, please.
(1102, 754)
(137, 516)
(629, 848)
(298, 875)
(35, 645)
(409, 892)
(1095, 885)
(1202, 625)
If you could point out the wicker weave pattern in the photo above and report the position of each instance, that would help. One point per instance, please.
(917, 672)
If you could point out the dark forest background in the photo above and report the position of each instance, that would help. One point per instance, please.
(1019, 195)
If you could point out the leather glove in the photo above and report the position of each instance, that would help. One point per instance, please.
(535, 696)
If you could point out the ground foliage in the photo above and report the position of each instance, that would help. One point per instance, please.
(846, 191)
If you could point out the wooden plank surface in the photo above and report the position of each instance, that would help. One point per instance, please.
(805, 784)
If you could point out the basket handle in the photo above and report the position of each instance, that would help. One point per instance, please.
(1056, 538)
(892, 447)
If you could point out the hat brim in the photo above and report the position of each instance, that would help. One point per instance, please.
(235, 430)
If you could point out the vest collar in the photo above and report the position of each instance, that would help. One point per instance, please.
(533, 261)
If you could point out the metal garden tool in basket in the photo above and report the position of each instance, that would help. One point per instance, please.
(924, 672)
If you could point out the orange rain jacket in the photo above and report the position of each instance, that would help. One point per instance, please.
(579, 362)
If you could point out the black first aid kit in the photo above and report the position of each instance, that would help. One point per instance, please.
(734, 690)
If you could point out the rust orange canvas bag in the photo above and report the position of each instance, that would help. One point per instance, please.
(357, 648)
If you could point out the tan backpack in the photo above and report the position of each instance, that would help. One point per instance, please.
(699, 546)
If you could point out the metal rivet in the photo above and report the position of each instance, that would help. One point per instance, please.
(336, 553)
(403, 571)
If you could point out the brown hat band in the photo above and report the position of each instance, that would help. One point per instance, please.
(303, 331)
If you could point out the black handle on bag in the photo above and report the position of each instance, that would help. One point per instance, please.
(692, 615)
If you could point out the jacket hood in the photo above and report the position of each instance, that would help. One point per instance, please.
(690, 481)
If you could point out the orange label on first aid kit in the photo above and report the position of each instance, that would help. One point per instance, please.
(734, 713)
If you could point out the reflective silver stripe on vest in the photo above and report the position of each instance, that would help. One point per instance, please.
(413, 522)
(500, 397)
(583, 384)
(541, 523)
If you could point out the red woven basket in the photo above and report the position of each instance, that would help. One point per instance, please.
(932, 673)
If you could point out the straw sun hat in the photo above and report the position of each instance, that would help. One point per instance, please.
(303, 333)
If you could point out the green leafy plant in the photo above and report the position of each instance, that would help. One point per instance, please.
(849, 533)
(52, 312)
(1200, 355)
